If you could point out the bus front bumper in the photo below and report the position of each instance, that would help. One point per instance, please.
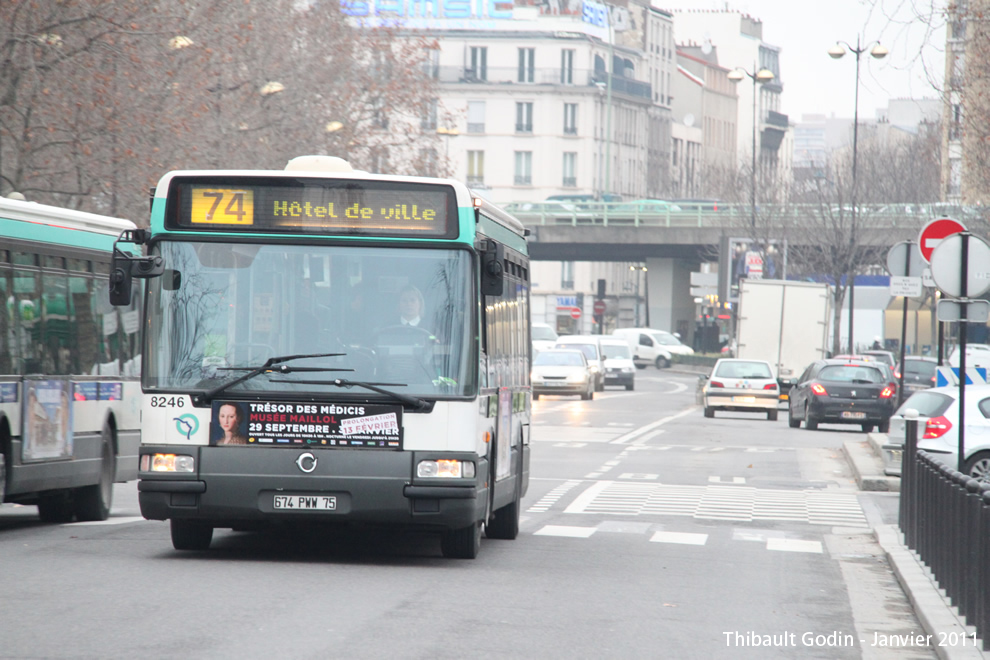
(234, 487)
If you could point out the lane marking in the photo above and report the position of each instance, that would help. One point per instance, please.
(718, 480)
(622, 439)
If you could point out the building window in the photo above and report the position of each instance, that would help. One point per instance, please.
(570, 169)
(570, 119)
(567, 67)
(431, 64)
(567, 275)
(429, 119)
(524, 117)
(476, 117)
(478, 71)
(527, 57)
(476, 168)
(524, 168)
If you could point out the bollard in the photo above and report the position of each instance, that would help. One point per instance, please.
(907, 511)
(924, 499)
(983, 628)
(971, 572)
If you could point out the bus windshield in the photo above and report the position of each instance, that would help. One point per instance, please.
(400, 318)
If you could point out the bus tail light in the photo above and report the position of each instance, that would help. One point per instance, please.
(445, 469)
(167, 463)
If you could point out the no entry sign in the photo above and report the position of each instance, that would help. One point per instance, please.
(934, 232)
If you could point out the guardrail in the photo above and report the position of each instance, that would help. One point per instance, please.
(625, 214)
(945, 517)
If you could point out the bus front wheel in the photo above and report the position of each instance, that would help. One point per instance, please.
(189, 535)
(505, 523)
(461, 543)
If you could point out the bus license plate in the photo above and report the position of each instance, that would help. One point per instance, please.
(305, 503)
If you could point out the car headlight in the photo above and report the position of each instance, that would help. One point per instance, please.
(595, 368)
(628, 370)
(578, 378)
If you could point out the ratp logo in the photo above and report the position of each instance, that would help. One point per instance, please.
(187, 425)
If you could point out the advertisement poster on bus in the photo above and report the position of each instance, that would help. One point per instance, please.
(354, 426)
(47, 430)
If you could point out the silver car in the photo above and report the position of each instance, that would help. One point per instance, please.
(562, 371)
(740, 385)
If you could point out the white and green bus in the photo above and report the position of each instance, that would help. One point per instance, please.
(70, 400)
(282, 383)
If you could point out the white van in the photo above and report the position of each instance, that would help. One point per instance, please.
(588, 344)
(646, 346)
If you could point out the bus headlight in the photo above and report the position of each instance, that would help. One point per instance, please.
(167, 463)
(445, 469)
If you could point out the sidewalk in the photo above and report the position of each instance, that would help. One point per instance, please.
(938, 617)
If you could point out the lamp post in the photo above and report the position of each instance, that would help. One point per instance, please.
(836, 52)
(758, 77)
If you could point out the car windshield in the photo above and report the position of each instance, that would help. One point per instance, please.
(223, 309)
(588, 350)
(616, 351)
(543, 333)
(928, 404)
(922, 368)
(851, 373)
(558, 359)
(743, 370)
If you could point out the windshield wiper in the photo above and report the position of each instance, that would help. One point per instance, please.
(271, 364)
(408, 399)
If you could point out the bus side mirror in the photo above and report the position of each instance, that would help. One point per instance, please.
(124, 267)
(492, 271)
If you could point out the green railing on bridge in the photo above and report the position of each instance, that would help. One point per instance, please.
(659, 214)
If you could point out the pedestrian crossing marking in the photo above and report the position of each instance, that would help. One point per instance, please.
(794, 545)
(564, 530)
(118, 520)
(719, 502)
(682, 538)
(552, 497)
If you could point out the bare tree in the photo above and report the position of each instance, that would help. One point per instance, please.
(98, 98)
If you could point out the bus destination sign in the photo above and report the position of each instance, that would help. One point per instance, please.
(316, 206)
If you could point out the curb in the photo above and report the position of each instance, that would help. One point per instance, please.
(867, 466)
(936, 615)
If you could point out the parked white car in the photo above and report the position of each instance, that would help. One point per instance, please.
(938, 426)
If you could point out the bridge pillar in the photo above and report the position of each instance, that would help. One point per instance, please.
(669, 300)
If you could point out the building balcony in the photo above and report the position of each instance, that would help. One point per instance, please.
(551, 76)
(570, 182)
(524, 128)
(523, 180)
(475, 128)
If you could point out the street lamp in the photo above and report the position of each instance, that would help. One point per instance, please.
(761, 76)
(836, 52)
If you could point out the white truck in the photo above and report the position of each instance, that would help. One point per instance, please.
(785, 323)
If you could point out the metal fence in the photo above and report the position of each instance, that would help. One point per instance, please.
(945, 517)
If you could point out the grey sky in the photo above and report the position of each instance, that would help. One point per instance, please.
(913, 30)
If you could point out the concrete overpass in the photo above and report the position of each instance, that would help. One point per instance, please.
(674, 241)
